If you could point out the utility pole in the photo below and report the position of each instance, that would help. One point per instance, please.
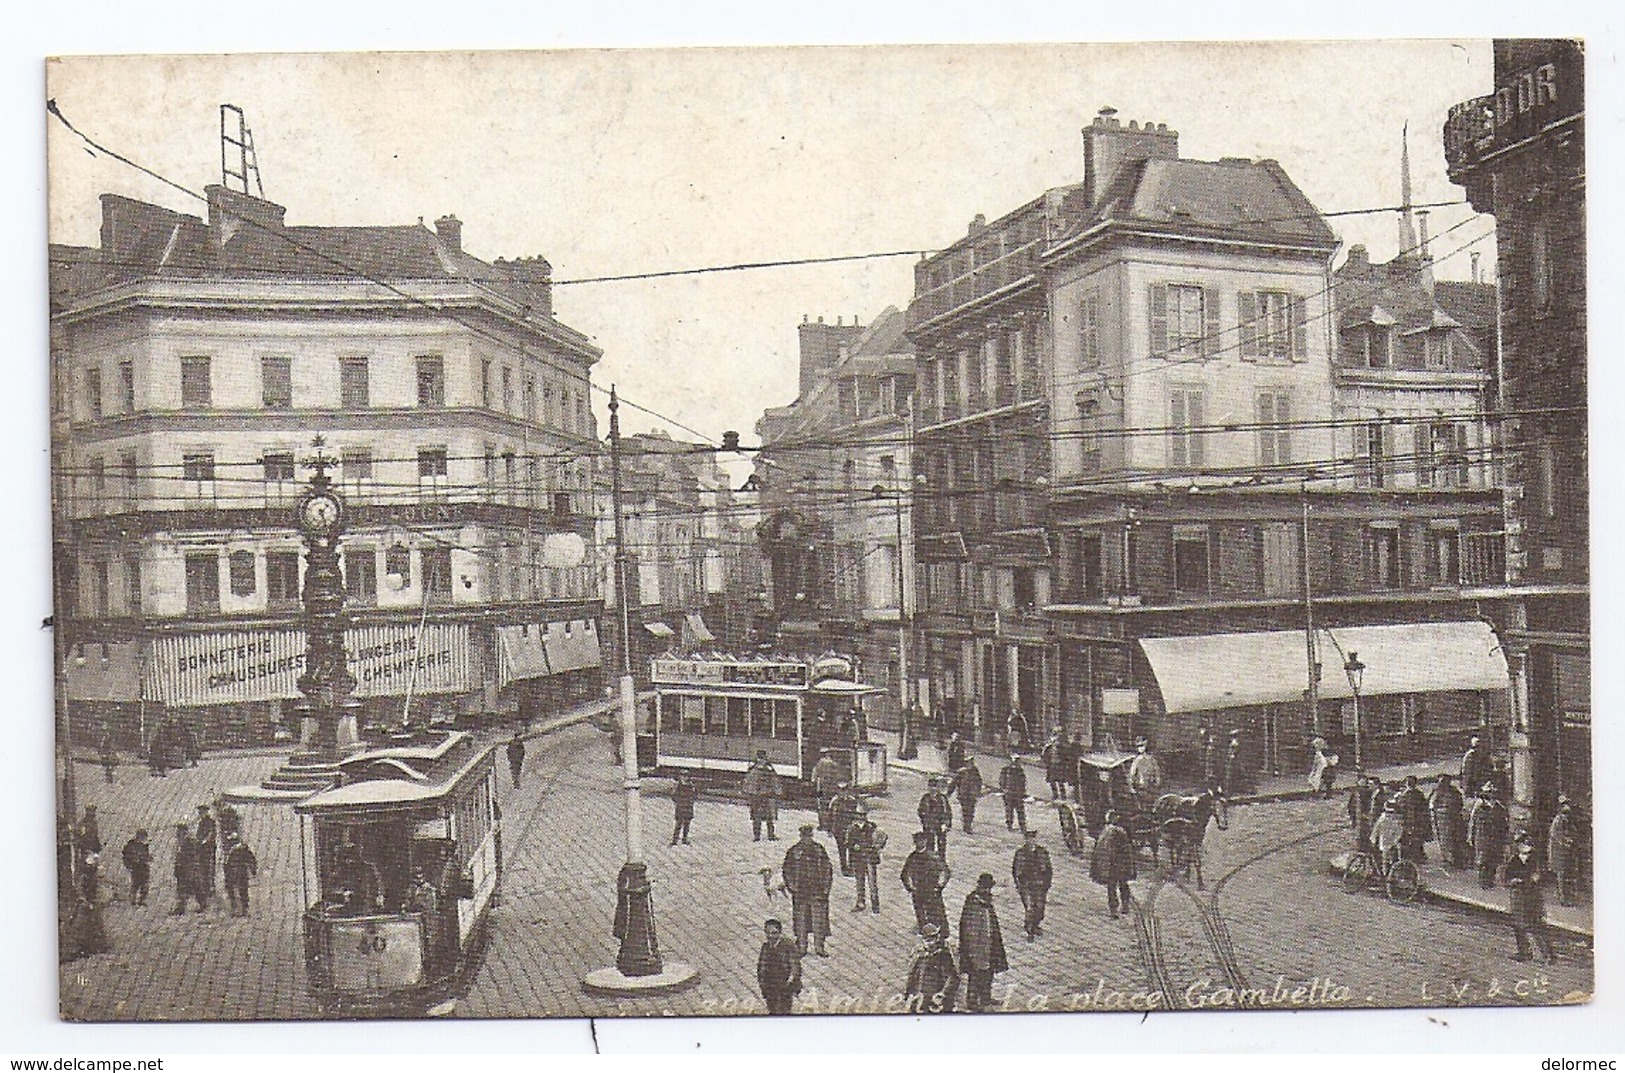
(1313, 692)
(638, 967)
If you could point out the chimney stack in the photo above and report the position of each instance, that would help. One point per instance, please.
(1108, 146)
(449, 229)
(1359, 259)
(1474, 257)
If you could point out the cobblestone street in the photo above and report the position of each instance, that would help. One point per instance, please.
(1290, 922)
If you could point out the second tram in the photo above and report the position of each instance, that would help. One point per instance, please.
(713, 715)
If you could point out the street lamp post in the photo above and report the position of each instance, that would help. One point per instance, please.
(638, 967)
(1356, 672)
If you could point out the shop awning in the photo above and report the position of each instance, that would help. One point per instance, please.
(1235, 670)
(698, 633)
(523, 652)
(572, 646)
(660, 630)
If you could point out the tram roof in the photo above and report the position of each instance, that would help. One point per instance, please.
(426, 773)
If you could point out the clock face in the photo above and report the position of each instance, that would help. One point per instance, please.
(321, 512)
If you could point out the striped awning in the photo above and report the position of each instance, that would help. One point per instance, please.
(522, 654)
(572, 646)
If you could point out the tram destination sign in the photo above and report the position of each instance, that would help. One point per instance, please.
(724, 672)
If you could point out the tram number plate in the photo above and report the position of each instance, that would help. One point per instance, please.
(377, 955)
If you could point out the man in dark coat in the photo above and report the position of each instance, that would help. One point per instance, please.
(1487, 828)
(191, 751)
(1212, 761)
(826, 780)
(158, 751)
(1448, 809)
(88, 934)
(109, 754)
(1074, 757)
(1476, 767)
(1054, 758)
(924, 876)
(1359, 810)
(933, 979)
(967, 786)
(1237, 779)
(936, 815)
(843, 809)
(90, 832)
(1413, 814)
(1013, 786)
(808, 876)
(778, 968)
(208, 840)
(1033, 873)
(1112, 863)
(682, 803)
(864, 842)
(1527, 902)
(137, 857)
(516, 758)
(1563, 850)
(956, 752)
(240, 865)
(188, 880)
(761, 789)
(981, 946)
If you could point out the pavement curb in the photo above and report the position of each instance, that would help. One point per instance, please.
(1478, 905)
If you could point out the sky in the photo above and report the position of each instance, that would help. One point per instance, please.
(622, 161)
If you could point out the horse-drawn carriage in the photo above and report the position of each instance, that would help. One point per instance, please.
(1176, 821)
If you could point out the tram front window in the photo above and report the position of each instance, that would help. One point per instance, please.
(784, 720)
(366, 869)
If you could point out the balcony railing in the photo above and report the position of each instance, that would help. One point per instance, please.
(984, 279)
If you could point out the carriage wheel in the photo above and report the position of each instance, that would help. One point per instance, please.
(1404, 881)
(1358, 873)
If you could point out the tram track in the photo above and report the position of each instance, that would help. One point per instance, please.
(1151, 933)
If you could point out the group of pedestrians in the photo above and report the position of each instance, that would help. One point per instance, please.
(1474, 832)
(172, 744)
(942, 975)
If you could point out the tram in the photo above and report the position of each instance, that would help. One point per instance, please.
(714, 714)
(400, 864)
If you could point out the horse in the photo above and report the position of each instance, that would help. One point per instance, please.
(1182, 822)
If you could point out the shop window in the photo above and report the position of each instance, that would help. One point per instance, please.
(1382, 556)
(671, 712)
(437, 571)
(1191, 559)
(361, 574)
(240, 569)
(282, 578)
(202, 582)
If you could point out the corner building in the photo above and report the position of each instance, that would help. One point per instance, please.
(1128, 425)
(194, 360)
(1519, 152)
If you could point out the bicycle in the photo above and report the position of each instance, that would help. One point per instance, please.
(1401, 881)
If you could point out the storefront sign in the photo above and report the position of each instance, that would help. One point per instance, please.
(234, 667)
(722, 672)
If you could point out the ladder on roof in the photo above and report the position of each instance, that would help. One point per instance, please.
(243, 143)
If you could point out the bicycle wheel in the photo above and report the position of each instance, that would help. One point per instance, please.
(1358, 873)
(1403, 881)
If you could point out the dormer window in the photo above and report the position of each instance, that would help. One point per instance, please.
(1379, 346)
(1436, 350)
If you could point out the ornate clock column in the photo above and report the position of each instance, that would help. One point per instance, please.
(328, 711)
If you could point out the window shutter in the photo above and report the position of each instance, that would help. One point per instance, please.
(1159, 319)
(1424, 454)
(1266, 435)
(1210, 322)
(1193, 410)
(1300, 329)
(1176, 418)
(1283, 435)
(1247, 319)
